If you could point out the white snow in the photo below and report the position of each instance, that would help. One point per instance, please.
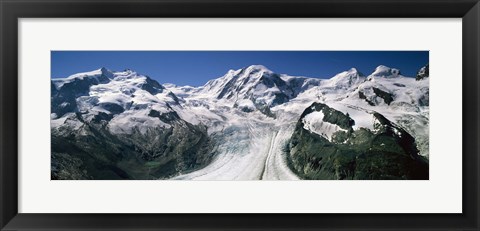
(314, 122)
(246, 104)
(123, 89)
(345, 80)
(363, 118)
(125, 123)
(59, 82)
(248, 150)
(386, 72)
(67, 120)
(250, 143)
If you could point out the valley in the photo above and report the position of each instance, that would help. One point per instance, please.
(250, 124)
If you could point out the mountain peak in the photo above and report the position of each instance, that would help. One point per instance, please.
(245, 71)
(256, 68)
(354, 70)
(386, 72)
(101, 75)
(423, 73)
(346, 79)
(98, 72)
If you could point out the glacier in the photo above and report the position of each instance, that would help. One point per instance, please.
(249, 113)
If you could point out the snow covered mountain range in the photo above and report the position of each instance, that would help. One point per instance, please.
(251, 123)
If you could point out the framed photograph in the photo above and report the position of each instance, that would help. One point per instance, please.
(255, 115)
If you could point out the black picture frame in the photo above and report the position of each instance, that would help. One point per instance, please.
(12, 10)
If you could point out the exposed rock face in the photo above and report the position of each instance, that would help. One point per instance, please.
(250, 123)
(114, 126)
(423, 73)
(256, 88)
(384, 152)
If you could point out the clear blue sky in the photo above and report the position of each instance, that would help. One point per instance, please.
(197, 67)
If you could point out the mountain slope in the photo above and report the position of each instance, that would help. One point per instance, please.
(328, 144)
(251, 123)
(255, 88)
(121, 125)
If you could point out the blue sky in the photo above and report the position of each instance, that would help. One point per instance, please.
(197, 67)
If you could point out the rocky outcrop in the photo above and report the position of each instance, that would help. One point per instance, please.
(384, 152)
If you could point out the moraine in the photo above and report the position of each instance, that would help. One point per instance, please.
(241, 126)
